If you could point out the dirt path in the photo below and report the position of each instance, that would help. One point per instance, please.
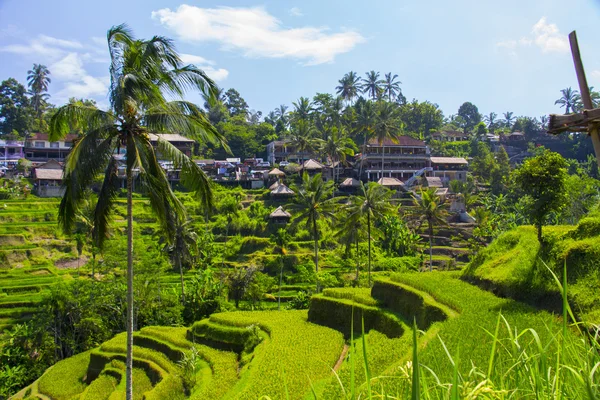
(339, 362)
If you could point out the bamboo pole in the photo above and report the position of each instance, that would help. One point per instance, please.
(584, 90)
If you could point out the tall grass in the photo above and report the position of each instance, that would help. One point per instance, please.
(559, 363)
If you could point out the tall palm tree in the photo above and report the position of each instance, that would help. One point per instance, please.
(313, 203)
(350, 232)
(372, 203)
(371, 85)
(491, 121)
(388, 126)
(364, 125)
(349, 86)
(303, 138)
(281, 238)
(282, 114)
(337, 146)
(38, 79)
(182, 249)
(302, 109)
(391, 87)
(143, 74)
(429, 208)
(509, 119)
(568, 100)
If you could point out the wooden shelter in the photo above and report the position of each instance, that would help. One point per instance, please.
(280, 216)
(312, 166)
(587, 120)
(276, 172)
(391, 183)
(274, 185)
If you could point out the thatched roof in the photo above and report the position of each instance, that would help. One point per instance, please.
(274, 185)
(280, 213)
(387, 181)
(434, 181)
(312, 165)
(276, 172)
(282, 190)
(350, 182)
(48, 174)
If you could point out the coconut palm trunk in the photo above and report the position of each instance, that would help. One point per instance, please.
(280, 281)
(180, 265)
(129, 366)
(382, 159)
(429, 222)
(357, 262)
(369, 238)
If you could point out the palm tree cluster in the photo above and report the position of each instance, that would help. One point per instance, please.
(571, 101)
(350, 86)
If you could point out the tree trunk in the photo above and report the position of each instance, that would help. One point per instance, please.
(129, 366)
(382, 159)
(316, 236)
(182, 283)
(539, 233)
(280, 280)
(364, 150)
(430, 245)
(357, 262)
(369, 235)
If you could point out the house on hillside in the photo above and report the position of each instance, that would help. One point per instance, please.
(47, 179)
(11, 151)
(450, 136)
(449, 168)
(280, 216)
(399, 159)
(283, 150)
(39, 148)
(184, 144)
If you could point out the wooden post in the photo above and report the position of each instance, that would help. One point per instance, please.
(584, 90)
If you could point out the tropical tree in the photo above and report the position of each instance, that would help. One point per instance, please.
(391, 87)
(38, 79)
(569, 99)
(364, 124)
(349, 86)
(371, 85)
(302, 109)
(303, 138)
(350, 232)
(143, 75)
(282, 114)
(388, 126)
(371, 204)
(313, 203)
(281, 238)
(182, 249)
(428, 207)
(337, 146)
(509, 119)
(491, 121)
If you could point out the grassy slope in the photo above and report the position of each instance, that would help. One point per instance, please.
(513, 265)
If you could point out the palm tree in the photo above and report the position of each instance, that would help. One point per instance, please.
(303, 138)
(387, 126)
(371, 85)
(371, 204)
(182, 249)
(429, 208)
(595, 96)
(38, 79)
(491, 121)
(544, 122)
(568, 100)
(143, 73)
(364, 125)
(391, 87)
(351, 229)
(312, 204)
(281, 238)
(282, 114)
(349, 86)
(337, 146)
(302, 109)
(509, 119)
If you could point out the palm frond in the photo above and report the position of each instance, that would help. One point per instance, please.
(106, 202)
(77, 114)
(192, 176)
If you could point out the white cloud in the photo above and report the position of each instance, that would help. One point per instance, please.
(70, 44)
(548, 38)
(68, 68)
(216, 74)
(296, 12)
(88, 86)
(544, 35)
(256, 33)
(596, 74)
(196, 60)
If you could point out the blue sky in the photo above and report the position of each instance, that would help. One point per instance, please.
(512, 56)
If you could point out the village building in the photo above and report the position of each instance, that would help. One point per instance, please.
(280, 216)
(38, 147)
(47, 179)
(400, 159)
(11, 151)
(282, 192)
(449, 168)
(450, 136)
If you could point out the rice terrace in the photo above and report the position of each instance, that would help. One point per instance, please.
(162, 239)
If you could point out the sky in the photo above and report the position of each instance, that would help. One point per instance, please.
(501, 56)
